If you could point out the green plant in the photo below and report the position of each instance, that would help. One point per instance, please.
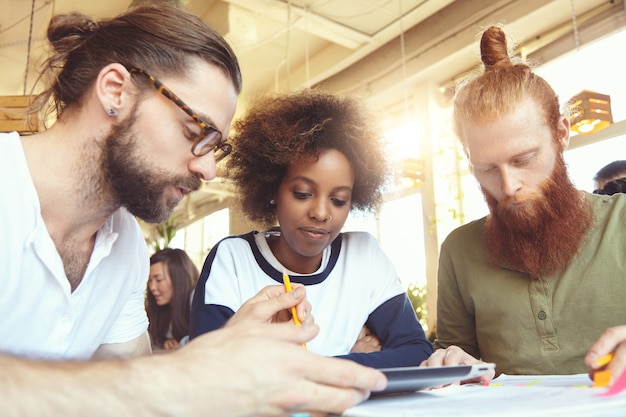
(417, 296)
(165, 233)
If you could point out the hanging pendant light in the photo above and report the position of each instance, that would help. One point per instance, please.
(590, 112)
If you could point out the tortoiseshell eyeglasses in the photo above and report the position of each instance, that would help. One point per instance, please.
(209, 139)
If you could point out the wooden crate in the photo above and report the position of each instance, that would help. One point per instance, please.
(13, 116)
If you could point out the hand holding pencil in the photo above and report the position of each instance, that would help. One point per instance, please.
(274, 304)
(294, 313)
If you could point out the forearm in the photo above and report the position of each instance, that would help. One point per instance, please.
(403, 342)
(141, 387)
(35, 388)
(246, 370)
(407, 355)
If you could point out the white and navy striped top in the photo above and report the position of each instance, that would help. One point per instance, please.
(356, 284)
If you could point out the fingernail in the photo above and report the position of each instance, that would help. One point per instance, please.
(309, 327)
(297, 293)
(380, 384)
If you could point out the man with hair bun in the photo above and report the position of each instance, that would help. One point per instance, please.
(143, 104)
(538, 285)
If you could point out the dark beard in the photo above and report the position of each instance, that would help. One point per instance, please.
(134, 184)
(542, 237)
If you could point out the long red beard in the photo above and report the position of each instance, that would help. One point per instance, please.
(544, 235)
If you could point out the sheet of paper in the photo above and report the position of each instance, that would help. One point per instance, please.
(514, 396)
(543, 380)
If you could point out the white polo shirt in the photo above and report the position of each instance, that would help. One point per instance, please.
(39, 315)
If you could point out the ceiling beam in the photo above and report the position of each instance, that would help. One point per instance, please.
(305, 20)
(450, 29)
(454, 54)
(334, 59)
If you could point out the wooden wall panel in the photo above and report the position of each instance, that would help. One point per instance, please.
(13, 115)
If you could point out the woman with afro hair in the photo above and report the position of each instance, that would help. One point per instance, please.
(301, 162)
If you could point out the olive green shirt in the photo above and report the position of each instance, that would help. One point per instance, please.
(533, 326)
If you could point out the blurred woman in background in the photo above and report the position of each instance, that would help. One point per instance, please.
(172, 279)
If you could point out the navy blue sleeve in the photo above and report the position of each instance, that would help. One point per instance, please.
(403, 341)
(206, 317)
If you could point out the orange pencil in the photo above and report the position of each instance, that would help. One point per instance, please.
(294, 314)
(288, 288)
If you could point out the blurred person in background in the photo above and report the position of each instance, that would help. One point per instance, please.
(173, 277)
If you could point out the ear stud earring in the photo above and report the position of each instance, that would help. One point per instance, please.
(111, 112)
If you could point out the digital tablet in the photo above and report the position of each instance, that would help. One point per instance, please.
(414, 378)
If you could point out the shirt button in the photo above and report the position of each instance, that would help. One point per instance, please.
(542, 315)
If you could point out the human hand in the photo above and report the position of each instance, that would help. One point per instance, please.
(613, 340)
(260, 369)
(454, 355)
(272, 305)
(171, 344)
(367, 342)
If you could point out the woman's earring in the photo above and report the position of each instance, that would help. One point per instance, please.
(272, 203)
(111, 112)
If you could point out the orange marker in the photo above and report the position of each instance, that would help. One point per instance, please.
(602, 379)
